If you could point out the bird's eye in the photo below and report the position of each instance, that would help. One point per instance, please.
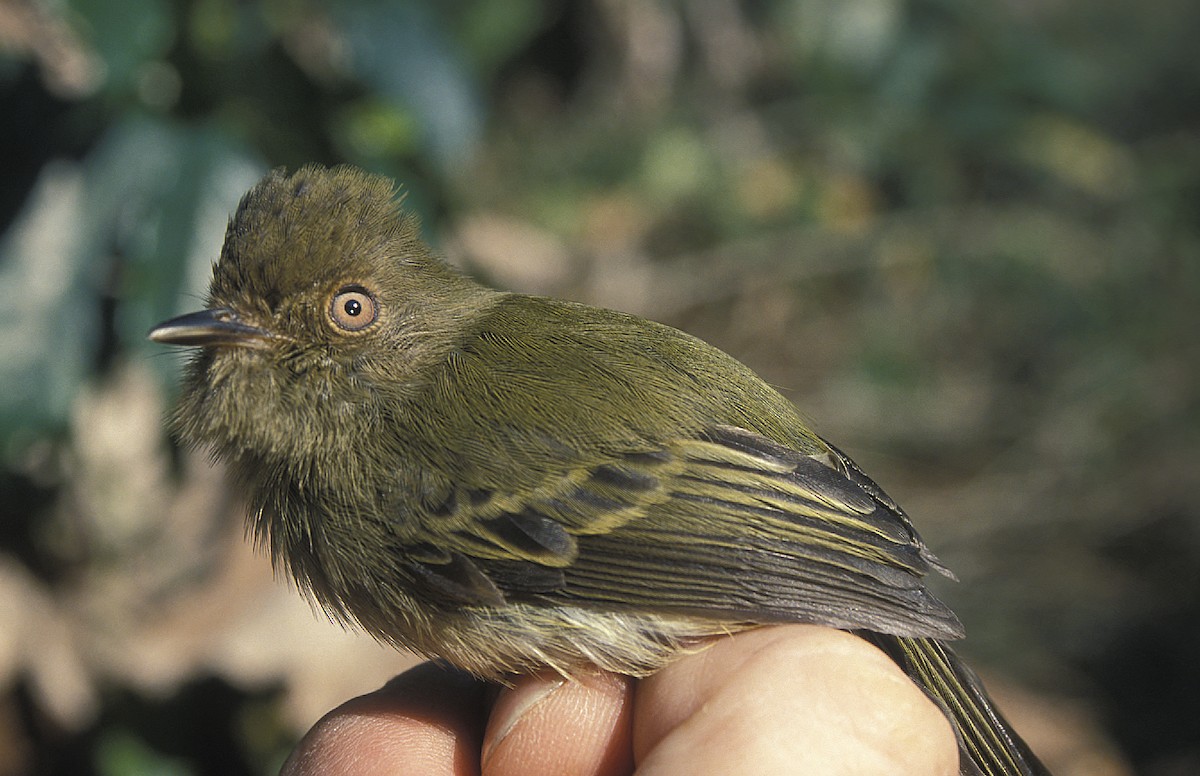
(353, 309)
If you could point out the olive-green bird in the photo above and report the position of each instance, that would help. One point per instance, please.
(509, 482)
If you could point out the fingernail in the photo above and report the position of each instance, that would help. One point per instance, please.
(512, 705)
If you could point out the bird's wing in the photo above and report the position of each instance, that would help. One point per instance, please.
(728, 524)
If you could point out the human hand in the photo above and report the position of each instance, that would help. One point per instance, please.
(779, 699)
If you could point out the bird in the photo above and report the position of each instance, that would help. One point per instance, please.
(509, 482)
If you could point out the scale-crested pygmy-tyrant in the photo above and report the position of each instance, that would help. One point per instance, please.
(510, 482)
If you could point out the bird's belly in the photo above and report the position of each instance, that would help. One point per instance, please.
(523, 637)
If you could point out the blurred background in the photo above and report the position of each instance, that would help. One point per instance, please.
(964, 237)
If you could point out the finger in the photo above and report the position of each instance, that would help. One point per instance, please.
(545, 724)
(428, 720)
(789, 699)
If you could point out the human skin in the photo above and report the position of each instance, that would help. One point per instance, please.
(779, 699)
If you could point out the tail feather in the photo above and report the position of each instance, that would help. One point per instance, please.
(987, 743)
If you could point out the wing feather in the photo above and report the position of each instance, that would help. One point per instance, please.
(727, 524)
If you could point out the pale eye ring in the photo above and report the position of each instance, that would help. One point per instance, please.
(353, 309)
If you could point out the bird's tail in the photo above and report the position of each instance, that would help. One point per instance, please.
(988, 746)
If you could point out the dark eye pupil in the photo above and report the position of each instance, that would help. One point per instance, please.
(353, 308)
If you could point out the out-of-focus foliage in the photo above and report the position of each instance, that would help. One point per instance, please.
(964, 237)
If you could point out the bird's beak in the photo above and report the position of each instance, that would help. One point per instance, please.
(216, 326)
